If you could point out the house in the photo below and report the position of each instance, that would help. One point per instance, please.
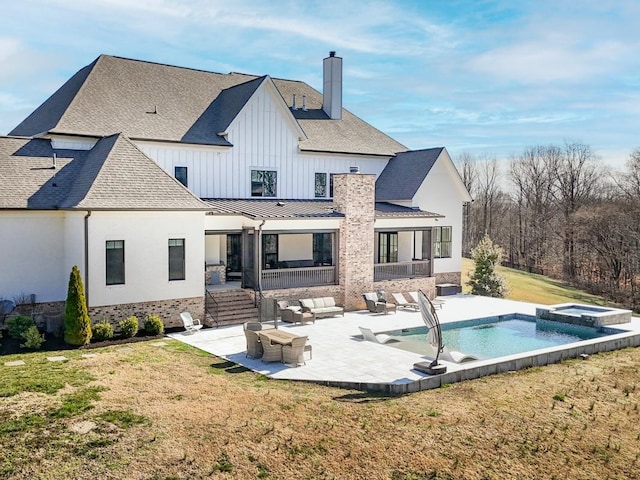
(160, 182)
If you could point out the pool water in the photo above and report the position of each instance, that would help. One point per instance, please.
(581, 310)
(492, 338)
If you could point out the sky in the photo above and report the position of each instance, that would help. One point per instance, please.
(488, 78)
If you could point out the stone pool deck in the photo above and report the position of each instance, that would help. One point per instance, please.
(342, 359)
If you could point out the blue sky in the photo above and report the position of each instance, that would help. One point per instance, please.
(485, 77)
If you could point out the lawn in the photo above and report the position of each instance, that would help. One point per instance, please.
(528, 287)
(148, 411)
(173, 412)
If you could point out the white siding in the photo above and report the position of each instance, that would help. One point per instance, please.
(264, 138)
(441, 193)
(145, 236)
(34, 255)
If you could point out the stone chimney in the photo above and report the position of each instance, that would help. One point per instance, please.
(332, 86)
(354, 197)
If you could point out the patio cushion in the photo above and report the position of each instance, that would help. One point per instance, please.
(318, 303)
(294, 308)
(307, 303)
(329, 302)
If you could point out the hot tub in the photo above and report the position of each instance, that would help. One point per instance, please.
(585, 315)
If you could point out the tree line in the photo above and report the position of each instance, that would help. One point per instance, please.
(557, 210)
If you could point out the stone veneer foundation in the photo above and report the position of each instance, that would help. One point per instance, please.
(168, 310)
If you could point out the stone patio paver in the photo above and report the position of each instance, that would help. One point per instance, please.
(15, 363)
(59, 358)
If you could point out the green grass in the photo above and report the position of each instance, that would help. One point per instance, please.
(529, 287)
(40, 376)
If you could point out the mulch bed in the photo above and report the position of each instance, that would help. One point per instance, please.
(11, 346)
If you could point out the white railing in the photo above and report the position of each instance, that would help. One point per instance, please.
(273, 279)
(390, 271)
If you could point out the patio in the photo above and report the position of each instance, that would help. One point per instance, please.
(341, 358)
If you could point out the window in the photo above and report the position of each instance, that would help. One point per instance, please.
(442, 242)
(331, 185)
(176, 259)
(115, 262)
(321, 185)
(387, 247)
(270, 250)
(322, 249)
(263, 183)
(181, 175)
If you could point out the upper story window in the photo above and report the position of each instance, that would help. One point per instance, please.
(331, 185)
(115, 262)
(181, 175)
(321, 185)
(176, 259)
(442, 242)
(263, 183)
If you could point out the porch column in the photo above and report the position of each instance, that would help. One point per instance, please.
(354, 196)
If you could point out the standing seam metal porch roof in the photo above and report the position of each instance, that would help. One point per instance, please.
(273, 208)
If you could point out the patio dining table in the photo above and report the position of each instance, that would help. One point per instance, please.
(278, 336)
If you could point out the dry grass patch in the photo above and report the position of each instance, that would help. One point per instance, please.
(174, 412)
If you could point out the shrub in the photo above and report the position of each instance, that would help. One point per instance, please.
(485, 280)
(102, 331)
(32, 338)
(153, 325)
(18, 325)
(129, 327)
(77, 325)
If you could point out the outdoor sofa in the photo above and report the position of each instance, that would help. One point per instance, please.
(321, 307)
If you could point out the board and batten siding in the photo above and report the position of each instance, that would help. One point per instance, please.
(264, 137)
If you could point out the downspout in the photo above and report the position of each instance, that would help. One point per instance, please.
(260, 256)
(86, 256)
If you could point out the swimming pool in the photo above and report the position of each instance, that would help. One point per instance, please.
(586, 315)
(499, 336)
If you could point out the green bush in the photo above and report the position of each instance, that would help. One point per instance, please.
(102, 331)
(153, 325)
(129, 327)
(77, 325)
(18, 325)
(32, 338)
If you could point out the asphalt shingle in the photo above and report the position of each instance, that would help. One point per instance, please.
(404, 174)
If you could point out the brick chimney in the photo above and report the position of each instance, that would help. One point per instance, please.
(332, 86)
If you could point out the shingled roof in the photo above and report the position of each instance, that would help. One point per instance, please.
(145, 100)
(115, 174)
(404, 174)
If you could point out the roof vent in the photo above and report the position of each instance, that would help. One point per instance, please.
(304, 103)
(280, 204)
(355, 169)
(53, 161)
(155, 110)
(293, 107)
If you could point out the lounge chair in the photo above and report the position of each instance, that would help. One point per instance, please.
(368, 335)
(254, 346)
(437, 303)
(294, 354)
(272, 351)
(190, 325)
(402, 302)
(375, 304)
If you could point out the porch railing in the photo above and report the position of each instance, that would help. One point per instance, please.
(273, 279)
(391, 271)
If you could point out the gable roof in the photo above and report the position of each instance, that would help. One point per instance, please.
(145, 100)
(403, 174)
(113, 175)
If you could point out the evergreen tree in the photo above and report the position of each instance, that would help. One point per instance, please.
(77, 325)
(485, 280)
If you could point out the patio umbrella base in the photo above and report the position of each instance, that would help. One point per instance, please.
(429, 368)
